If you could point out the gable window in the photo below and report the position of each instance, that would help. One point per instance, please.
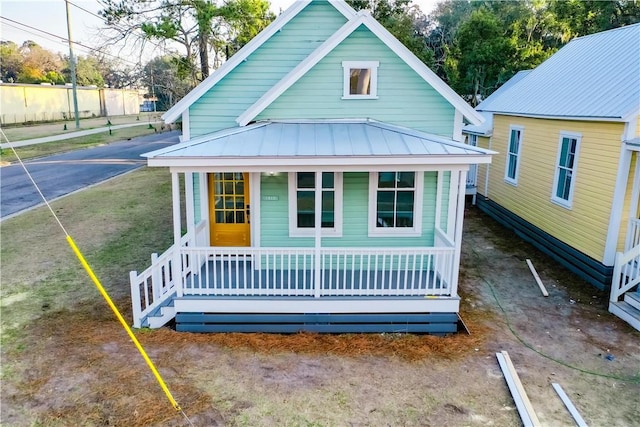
(360, 79)
(513, 154)
(564, 180)
(302, 203)
(395, 203)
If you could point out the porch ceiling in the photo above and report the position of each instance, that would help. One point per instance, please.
(333, 143)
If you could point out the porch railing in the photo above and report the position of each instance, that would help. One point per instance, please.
(626, 272)
(241, 271)
(157, 283)
(633, 234)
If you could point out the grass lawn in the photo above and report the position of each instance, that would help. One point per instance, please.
(48, 148)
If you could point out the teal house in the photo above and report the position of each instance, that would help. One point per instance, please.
(324, 179)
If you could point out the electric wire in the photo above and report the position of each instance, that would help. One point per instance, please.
(635, 380)
(100, 288)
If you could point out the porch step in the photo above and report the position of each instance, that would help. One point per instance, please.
(626, 312)
(633, 299)
(163, 315)
(431, 323)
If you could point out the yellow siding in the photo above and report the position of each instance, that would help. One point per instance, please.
(483, 142)
(585, 225)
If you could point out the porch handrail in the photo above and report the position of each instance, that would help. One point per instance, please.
(249, 271)
(626, 272)
(633, 235)
(157, 283)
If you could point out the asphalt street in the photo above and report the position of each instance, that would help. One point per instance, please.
(61, 174)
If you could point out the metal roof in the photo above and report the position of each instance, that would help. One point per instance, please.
(289, 142)
(592, 77)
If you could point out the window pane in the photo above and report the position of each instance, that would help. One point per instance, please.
(386, 180)
(512, 167)
(328, 200)
(306, 180)
(327, 180)
(228, 175)
(239, 217)
(306, 209)
(385, 208)
(360, 81)
(406, 179)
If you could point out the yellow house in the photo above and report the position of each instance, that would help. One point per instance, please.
(567, 176)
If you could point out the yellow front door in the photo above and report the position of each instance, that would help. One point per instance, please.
(229, 209)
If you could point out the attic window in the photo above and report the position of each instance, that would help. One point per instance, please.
(360, 79)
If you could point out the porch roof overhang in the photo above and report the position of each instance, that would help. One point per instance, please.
(313, 145)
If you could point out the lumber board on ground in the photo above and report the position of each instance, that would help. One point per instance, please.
(537, 277)
(527, 414)
(567, 402)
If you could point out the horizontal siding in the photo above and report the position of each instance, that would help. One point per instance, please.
(219, 107)
(274, 215)
(597, 163)
(404, 98)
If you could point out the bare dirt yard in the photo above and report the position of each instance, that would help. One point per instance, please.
(67, 362)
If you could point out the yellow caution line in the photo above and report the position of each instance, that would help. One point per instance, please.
(123, 322)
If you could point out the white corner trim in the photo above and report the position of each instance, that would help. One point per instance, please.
(299, 71)
(174, 112)
(617, 204)
(387, 38)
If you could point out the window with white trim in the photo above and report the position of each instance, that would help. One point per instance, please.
(564, 179)
(360, 79)
(513, 155)
(302, 203)
(395, 203)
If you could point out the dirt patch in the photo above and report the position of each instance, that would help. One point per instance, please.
(76, 366)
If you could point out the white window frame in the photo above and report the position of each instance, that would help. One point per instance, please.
(294, 230)
(416, 230)
(554, 198)
(347, 66)
(513, 180)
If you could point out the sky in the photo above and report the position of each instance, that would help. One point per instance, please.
(27, 19)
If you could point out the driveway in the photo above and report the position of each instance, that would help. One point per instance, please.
(61, 174)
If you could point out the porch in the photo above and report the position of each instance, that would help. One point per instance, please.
(624, 300)
(289, 289)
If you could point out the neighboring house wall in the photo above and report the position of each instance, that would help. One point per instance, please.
(483, 170)
(118, 102)
(223, 103)
(594, 179)
(403, 97)
(275, 211)
(39, 103)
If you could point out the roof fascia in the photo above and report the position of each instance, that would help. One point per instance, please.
(556, 117)
(362, 17)
(176, 111)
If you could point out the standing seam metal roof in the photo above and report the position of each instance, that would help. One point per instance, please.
(595, 76)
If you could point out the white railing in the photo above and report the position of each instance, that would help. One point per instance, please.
(633, 234)
(626, 272)
(157, 283)
(337, 271)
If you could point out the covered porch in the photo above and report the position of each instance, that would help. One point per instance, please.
(316, 281)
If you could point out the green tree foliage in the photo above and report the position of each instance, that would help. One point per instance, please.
(39, 65)
(163, 79)
(10, 61)
(403, 21)
(88, 71)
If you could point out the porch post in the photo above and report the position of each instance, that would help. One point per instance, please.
(189, 205)
(204, 204)
(318, 234)
(617, 206)
(462, 180)
(454, 190)
(438, 215)
(176, 260)
(635, 201)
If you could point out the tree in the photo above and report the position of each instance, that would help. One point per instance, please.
(10, 61)
(480, 57)
(87, 71)
(581, 17)
(39, 65)
(197, 26)
(161, 75)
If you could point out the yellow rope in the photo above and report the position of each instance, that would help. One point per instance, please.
(101, 289)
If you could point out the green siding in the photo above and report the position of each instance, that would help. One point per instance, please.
(444, 214)
(404, 98)
(245, 84)
(274, 215)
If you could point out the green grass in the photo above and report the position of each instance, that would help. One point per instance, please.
(48, 148)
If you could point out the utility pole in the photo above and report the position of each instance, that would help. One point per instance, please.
(72, 65)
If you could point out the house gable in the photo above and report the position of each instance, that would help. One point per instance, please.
(403, 97)
(214, 106)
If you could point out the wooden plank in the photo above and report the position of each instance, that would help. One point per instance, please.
(535, 276)
(527, 414)
(567, 402)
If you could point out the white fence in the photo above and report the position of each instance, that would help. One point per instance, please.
(626, 272)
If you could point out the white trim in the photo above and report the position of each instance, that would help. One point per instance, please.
(173, 113)
(556, 117)
(454, 176)
(554, 189)
(439, 192)
(186, 126)
(361, 18)
(416, 230)
(457, 235)
(255, 197)
(204, 201)
(347, 66)
(457, 126)
(336, 231)
(630, 129)
(177, 226)
(617, 204)
(487, 172)
(189, 201)
(507, 178)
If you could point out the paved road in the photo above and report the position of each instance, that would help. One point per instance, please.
(62, 174)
